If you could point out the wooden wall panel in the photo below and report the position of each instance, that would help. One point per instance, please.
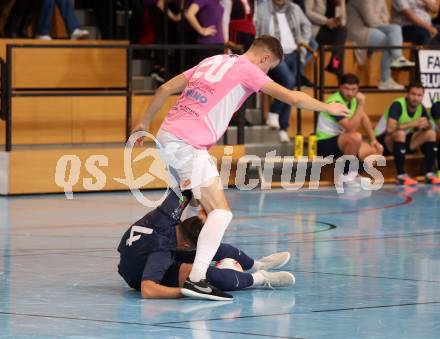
(33, 170)
(37, 120)
(5, 42)
(99, 119)
(68, 68)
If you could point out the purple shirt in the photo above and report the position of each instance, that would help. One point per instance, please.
(210, 13)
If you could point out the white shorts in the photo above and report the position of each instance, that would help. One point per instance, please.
(185, 161)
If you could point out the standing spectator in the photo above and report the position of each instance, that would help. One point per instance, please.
(238, 23)
(300, 3)
(44, 25)
(368, 24)
(287, 22)
(329, 18)
(206, 18)
(21, 17)
(415, 18)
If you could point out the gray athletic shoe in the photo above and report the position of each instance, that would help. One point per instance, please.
(273, 261)
(278, 279)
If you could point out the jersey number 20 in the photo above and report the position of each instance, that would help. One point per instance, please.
(218, 69)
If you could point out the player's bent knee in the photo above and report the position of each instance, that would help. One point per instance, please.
(356, 137)
(399, 136)
(430, 135)
(222, 215)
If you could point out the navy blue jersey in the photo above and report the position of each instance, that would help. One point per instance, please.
(148, 247)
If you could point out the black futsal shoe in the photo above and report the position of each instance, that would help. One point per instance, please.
(204, 290)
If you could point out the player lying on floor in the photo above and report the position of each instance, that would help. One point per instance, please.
(156, 254)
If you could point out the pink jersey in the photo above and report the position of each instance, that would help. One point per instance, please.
(216, 89)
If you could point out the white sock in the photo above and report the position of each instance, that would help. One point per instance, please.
(258, 279)
(209, 241)
(190, 211)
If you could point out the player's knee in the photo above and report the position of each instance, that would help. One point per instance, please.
(399, 136)
(430, 135)
(355, 138)
(224, 215)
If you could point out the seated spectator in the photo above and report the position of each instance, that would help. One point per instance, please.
(415, 19)
(300, 3)
(238, 22)
(404, 128)
(44, 25)
(368, 24)
(20, 18)
(338, 136)
(287, 22)
(206, 18)
(329, 19)
(435, 122)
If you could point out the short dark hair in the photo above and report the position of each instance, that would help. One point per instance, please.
(415, 84)
(271, 43)
(190, 229)
(349, 79)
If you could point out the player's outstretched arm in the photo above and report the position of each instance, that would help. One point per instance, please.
(153, 290)
(172, 86)
(302, 100)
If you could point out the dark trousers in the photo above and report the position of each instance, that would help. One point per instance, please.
(284, 74)
(419, 35)
(338, 36)
(44, 25)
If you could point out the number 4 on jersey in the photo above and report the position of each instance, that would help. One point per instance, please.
(137, 229)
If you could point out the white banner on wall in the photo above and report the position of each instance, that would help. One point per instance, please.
(430, 75)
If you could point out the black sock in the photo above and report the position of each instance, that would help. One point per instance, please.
(399, 151)
(346, 167)
(361, 167)
(438, 155)
(428, 150)
(229, 280)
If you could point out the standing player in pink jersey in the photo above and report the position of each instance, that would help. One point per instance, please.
(211, 92)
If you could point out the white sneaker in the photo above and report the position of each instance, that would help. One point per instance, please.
(402, 62)
(277, 279)
(390, 84)
(273, 120)
(79, 34)
(284, 137)
(273, 261)
(350, 180)
(43, 37)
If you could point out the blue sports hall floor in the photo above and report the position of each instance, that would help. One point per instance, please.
(365, 267)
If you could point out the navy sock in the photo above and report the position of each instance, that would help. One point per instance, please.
(229, 251)
(229, 280)
(399, 151)
(428, 150)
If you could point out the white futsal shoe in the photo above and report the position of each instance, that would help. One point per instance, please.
(273, 261)
(277, 279)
